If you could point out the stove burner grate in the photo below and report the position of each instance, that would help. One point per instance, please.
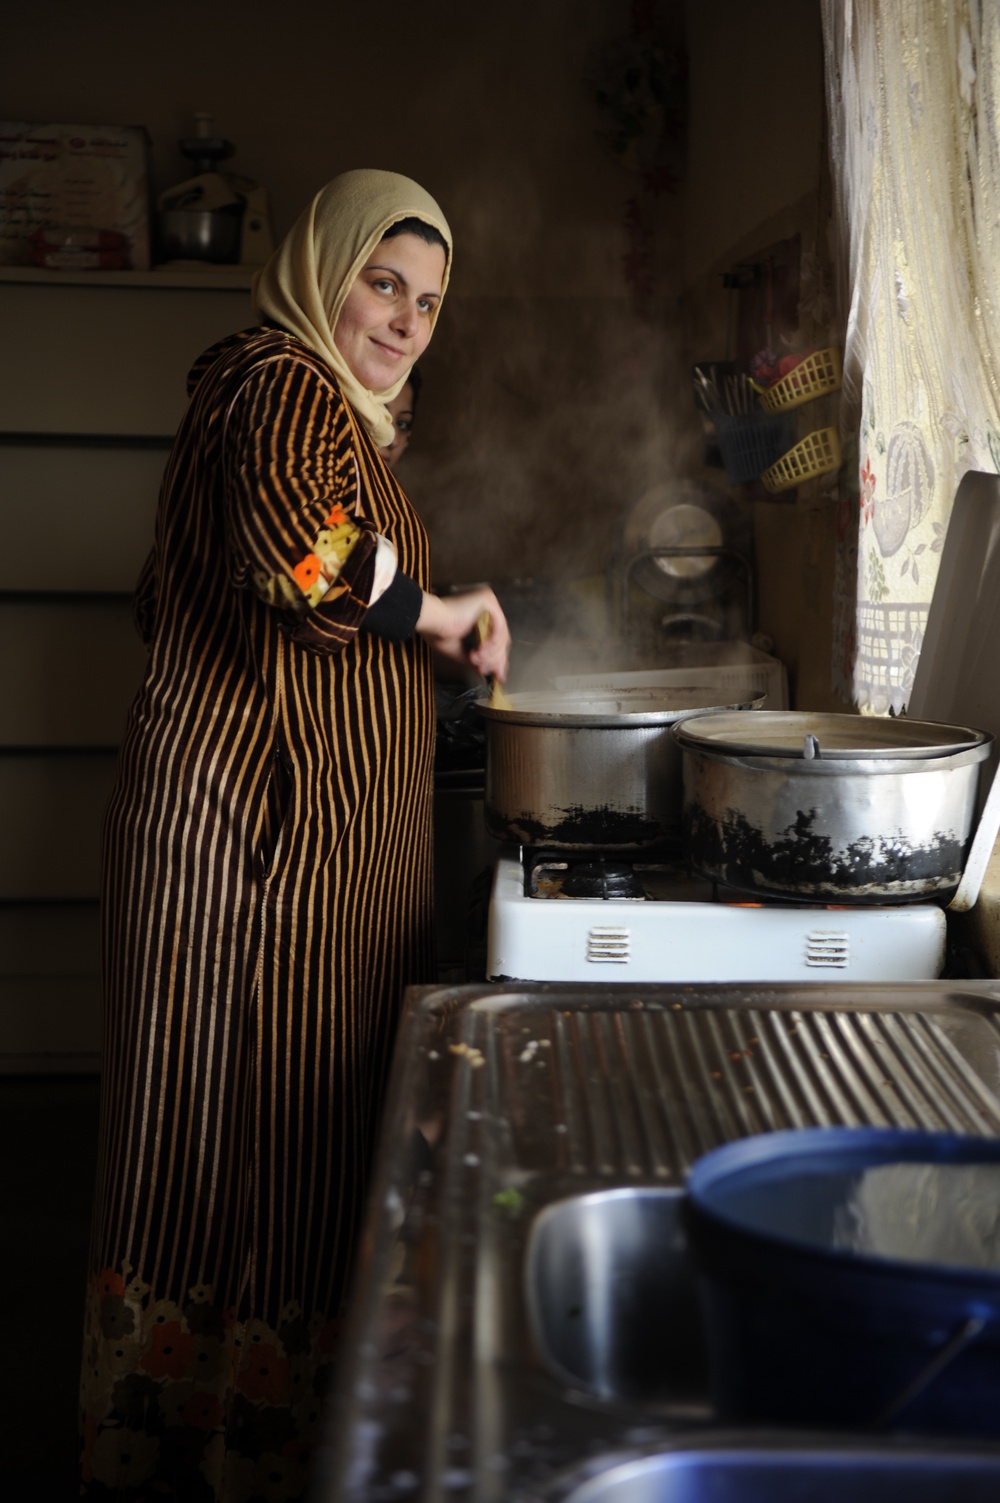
(554, 873)
(610, 881)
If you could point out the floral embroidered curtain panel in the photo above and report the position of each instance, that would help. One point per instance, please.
(912, 89)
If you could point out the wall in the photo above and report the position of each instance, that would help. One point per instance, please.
(758, 175)
(756, 124)
(483, 105)
(490, 107)
(550, 406)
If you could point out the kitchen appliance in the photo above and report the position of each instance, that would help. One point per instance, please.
(219, 217)
(589, 769)
(736, 670)
(558, 917)
(653, 920)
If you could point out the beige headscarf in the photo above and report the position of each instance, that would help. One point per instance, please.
(304, 284)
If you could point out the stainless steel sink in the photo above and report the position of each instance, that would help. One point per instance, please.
(612, 1299)
(524, 1324)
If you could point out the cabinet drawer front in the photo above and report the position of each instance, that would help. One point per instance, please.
(76, 518)
(68, 671)
(106, 359)
(50, 1003)
(49, 1027)
(51, 809)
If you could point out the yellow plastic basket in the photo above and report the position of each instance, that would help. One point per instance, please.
(816, 454)
(812, 377)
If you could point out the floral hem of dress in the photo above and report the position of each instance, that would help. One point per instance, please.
(185, 1400)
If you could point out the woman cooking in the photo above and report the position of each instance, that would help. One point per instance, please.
(267, 864)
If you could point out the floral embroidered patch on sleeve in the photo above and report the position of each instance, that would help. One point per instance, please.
(316, 574)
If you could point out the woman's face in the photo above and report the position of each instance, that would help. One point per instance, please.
(385, 323)
(401, 408)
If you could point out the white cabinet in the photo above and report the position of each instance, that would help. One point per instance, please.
(92, 385)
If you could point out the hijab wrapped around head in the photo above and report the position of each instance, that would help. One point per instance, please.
(303, 285)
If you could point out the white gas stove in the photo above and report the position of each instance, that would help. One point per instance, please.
(556, 916)
(560, 916)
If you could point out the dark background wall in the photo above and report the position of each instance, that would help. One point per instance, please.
(555, 395)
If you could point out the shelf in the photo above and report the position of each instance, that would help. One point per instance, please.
(59, 749)
(201, 278)
(6, 904)
(39, 438)
(65, 597)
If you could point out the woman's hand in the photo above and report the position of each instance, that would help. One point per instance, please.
(449, 624)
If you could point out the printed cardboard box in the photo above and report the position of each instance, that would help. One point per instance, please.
(74, 195)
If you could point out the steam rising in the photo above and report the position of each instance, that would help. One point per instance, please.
(564, 412)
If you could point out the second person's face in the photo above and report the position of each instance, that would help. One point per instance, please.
(386, 320)
(401, 412)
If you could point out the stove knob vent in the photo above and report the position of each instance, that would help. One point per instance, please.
(828, 947)
(608, 945)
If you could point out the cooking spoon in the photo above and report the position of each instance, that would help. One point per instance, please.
(498, 700)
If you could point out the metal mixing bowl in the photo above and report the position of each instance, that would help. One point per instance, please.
(199, 234)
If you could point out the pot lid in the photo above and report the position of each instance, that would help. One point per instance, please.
(611, 705)
(805, 735)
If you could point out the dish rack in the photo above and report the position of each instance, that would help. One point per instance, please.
(816, 454)
(756, 430)
(813, 377)
(751, 442)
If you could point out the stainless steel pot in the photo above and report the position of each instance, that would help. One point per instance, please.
(589, 770)
(830, 808)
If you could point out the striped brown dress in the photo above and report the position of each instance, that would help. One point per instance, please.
(266, 899)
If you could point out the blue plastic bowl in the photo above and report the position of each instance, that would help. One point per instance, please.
(810, 1319)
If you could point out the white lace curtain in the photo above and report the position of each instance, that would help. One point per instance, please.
(912, 90)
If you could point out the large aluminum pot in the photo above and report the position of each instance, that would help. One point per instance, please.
(589, 769)
(830, 808)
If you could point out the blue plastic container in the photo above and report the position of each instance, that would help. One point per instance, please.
(740, 1475)
(809, 1321)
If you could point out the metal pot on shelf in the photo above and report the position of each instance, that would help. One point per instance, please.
(217, 217)
(830, 808)
(590, 770)
(192, 234)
